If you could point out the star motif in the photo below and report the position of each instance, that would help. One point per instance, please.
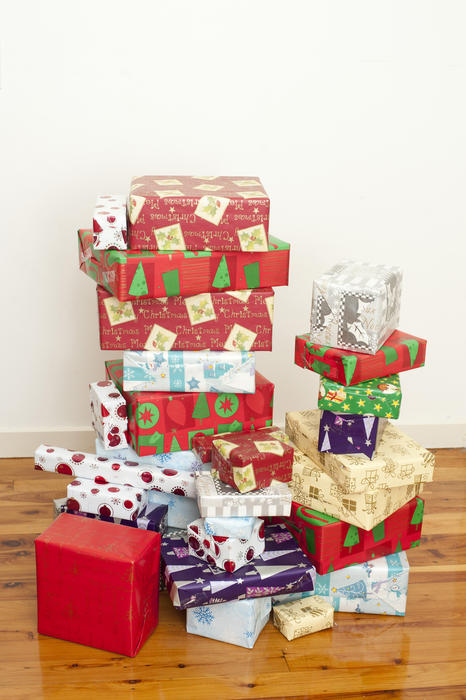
(301, 565)
(165, 308)
(326, 428)
(256, 210)
(383, 398)
(378, 407)
(368, 442)
(199, 580)
(193, 383)
(118, 337)
(361, 402)
(222, 310)
(368, 391)
(172, 210)
(146, 415)
(239, 580)
(395, 403)
(289, 585)
(388, 415)
(198, 336)
(226, 405)
(346, 407)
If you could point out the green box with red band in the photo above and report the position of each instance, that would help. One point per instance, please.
(162, 421)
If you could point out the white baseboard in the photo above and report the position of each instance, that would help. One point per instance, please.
(23, 443)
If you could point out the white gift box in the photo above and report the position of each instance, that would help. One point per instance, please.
(238, 622)
(181, 510)
(188, 371)
(108, 414)
(216, 499)
(230, 527)
(103, 470)
(356, 306)
(106, 499)
(109, 222)
(228, 553)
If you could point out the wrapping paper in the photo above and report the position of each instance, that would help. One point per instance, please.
(108, 414)
(379, 586)
(399, 459)
(202, 443)
(182, 461)
(181, 510)
(112, 501)
(312, 487)
(216, 499)
(349, 434)
(228, 553)
(399, 353)
(305, 616)
(332, 544)
(102, 470)
(248, 461)
(140, 274)
(164, 422)
(198, 213)
(288, 597)
(236, 321)
(377, 397)
(109, 222)
(153, 517)
(281, 567)
(230, 527)
(77, 565)
(239, 622)
(356, 306)
(189, 371)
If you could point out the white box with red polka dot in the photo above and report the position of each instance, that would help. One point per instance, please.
(109, 416)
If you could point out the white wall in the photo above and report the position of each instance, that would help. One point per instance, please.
(352, 113)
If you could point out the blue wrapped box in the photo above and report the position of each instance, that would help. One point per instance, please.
(185, 371)
(238, 622)
(237, 527)
(182, 461)
(378, 586)
(181, 509)
(281, 568)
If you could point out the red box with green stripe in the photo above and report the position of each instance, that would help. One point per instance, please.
(332, 544)
(141, 274)
(399, 353)
(162, 421)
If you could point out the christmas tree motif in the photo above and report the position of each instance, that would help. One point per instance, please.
(352, 590)
(378, 532)
(349, 363)
(138, 286)
(201, 409)
(413, 348)
(352, 537)
(175, 446)
(222, 276)
(418, 513)
(390, 354)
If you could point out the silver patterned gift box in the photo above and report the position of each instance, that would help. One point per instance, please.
(356, 306)
(216, 499)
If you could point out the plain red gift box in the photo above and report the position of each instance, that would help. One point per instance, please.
(97, 583)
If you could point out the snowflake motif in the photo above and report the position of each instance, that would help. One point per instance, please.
(164, 457)
(204, 615)
(129, 373)
(181, 552)
(115, 501)
(249, 634)
(282, 536)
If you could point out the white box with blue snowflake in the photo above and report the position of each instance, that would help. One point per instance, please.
(378, 586)
(238, 622)
(186, 371)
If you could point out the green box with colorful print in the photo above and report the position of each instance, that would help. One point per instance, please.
(376, 397)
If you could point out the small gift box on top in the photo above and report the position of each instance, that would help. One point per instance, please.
(341, 433)
(356, 306)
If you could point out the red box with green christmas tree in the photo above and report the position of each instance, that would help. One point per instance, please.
(162, 421)
(141, 274)
(399, 353)
(332, 544)
(240, 320)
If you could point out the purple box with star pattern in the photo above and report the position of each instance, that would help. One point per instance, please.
(281, 568)
(343, 433)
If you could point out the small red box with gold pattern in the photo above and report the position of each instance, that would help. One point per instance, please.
(98, 583)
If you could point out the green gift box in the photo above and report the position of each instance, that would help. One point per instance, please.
(376, 397)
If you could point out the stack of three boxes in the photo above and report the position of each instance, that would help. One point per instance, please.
(356, 477)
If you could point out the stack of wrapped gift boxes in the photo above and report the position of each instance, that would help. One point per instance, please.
(357, 478)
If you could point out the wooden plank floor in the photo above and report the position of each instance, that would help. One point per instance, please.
(364, 656)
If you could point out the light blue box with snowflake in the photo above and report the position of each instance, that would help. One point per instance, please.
(181, 509)
(186, 371)
(183, 461)
(237, 527)
(378, 586)
(238, 622)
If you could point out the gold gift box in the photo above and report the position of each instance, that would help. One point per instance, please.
(303, 616)
(313, 487)
(399, 460)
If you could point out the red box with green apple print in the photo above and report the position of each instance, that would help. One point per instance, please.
(332, 544)
(399, 353)
(141, 274)
(162, 421)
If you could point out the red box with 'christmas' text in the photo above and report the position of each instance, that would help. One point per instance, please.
(97, 583)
